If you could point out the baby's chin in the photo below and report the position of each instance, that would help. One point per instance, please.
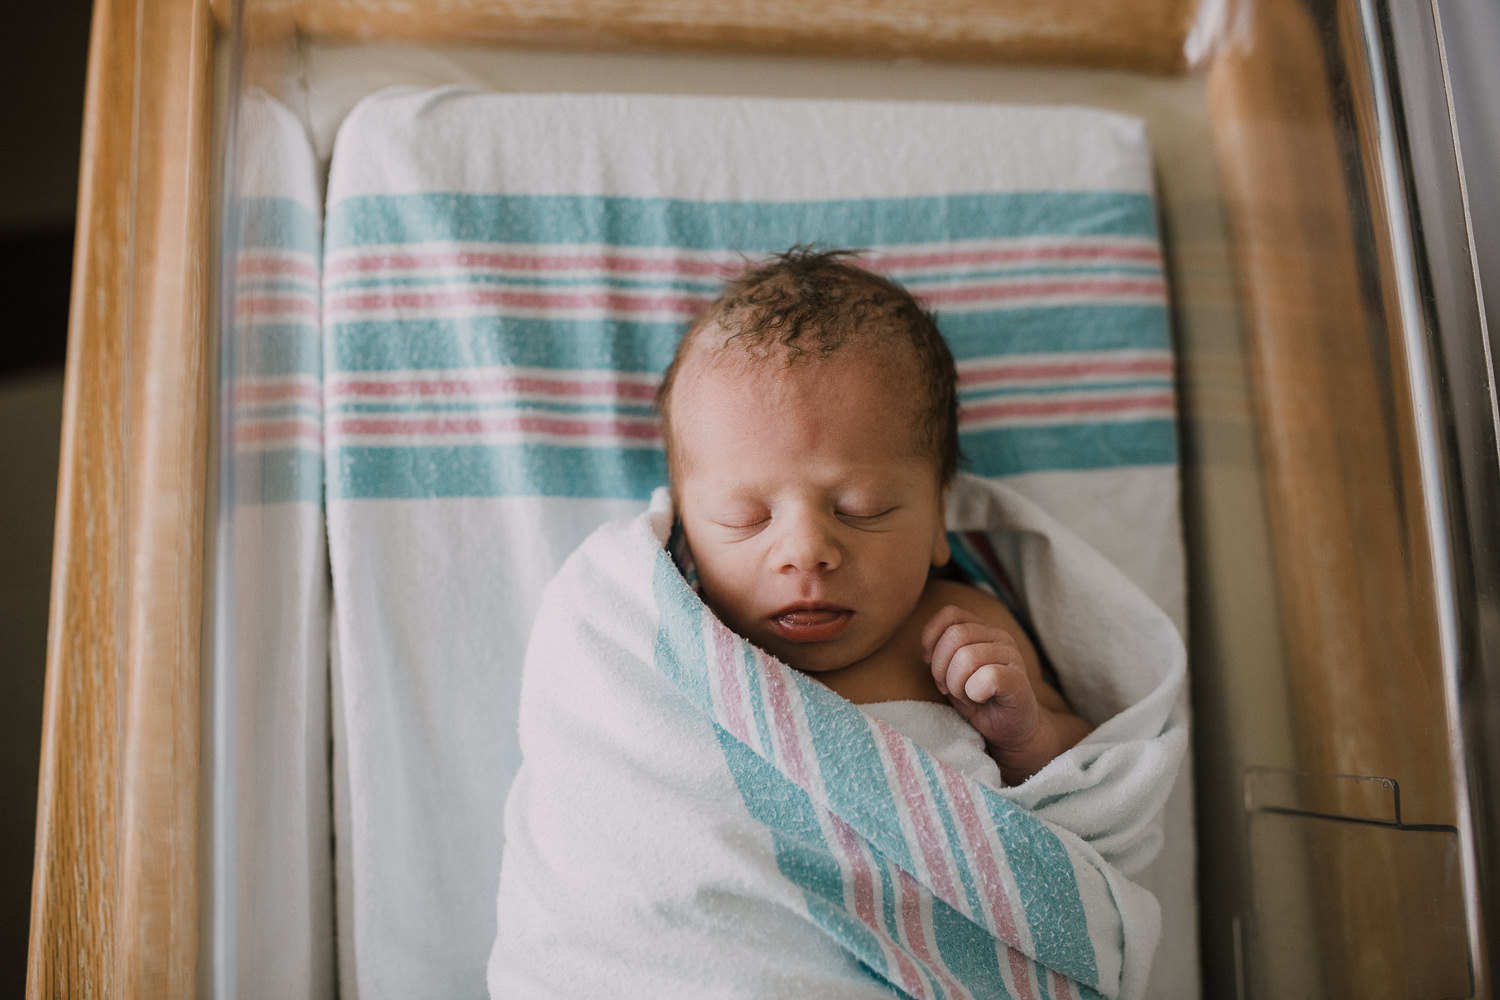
(809, 658)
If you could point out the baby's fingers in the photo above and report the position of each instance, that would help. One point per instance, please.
(998, 681)
(938, 625)
(983, 683)
(958, 652)
(975, 671)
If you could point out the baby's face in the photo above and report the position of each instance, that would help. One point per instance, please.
(811, 516)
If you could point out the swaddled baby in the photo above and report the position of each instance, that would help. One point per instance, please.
(810, 418)
(693, 818)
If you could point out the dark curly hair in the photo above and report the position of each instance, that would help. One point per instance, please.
(808, 304)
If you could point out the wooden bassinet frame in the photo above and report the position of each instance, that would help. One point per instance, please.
(118, 897)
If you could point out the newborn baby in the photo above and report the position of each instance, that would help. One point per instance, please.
(810, 417)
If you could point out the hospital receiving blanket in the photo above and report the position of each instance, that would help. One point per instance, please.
(693, 818)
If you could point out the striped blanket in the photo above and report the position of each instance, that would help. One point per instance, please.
(585, 328)
(693, 818)
(500, 295)
(271, 817)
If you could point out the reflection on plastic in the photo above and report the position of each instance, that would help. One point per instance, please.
(1346, 900)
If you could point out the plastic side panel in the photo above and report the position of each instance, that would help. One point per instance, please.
(1292, 98)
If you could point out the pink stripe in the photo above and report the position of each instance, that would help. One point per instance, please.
(1064, 369)
(517, 384)
(621, 264)
(862, 878)
(474, 260)
(616, 301)
(731, 670)
(257, 266)
(1090, 406)
(1062, 986)
(911, 979)
(259, 305)
(1008, 255)
(276, 392)
(781, 714)
(864, 907)
(277, 430)
(1020, 974)
(993, 894)
(938, 863)
(1098, 288)
(642, 431)
(916, 933)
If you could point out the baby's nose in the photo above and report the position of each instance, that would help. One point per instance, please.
(809, 545)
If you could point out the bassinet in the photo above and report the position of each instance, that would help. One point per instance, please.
(1338, 445)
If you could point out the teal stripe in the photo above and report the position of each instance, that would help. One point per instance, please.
(627, 345)
(846, 747)
(1048, 890)
(277, 349)
(457, 275)
(969, 952)
(305, 288)
(1010, 451)
(802, 854)
(950, 832)
(746, 227)
(246, 412)
(679, 628)
(856, 938)
(483, 341)
(922, 281)
(1069, 328)
(276, 224)
(403, 473)
(407, 472)
(965, 946)
(279, 476)
(1054, 388)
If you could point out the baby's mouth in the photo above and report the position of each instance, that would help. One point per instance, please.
(811, 623)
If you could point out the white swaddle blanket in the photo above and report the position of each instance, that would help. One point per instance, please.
(693, 818)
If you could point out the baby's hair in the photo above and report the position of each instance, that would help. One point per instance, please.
(809, 304)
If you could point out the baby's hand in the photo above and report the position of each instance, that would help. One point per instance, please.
(980, 669)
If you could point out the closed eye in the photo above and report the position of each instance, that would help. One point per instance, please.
(859, 518)
(748, 523)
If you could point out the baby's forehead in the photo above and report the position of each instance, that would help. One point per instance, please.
(767, 379)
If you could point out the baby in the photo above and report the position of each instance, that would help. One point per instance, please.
(810, 418)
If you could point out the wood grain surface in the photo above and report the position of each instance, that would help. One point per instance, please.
(114, 908)
(1148, 35)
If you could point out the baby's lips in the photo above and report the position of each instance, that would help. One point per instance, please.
(811, 624)
(811, 616)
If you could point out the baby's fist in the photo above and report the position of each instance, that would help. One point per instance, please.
(980, 669)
